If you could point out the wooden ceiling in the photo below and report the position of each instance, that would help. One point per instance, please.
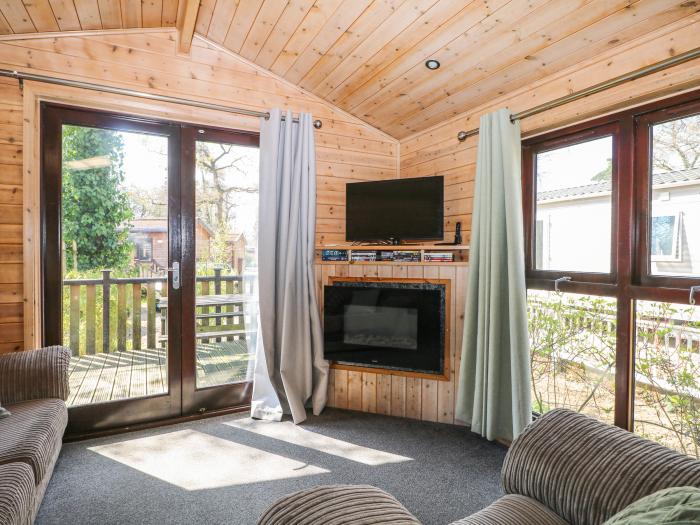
(367, 56)
(32, 16)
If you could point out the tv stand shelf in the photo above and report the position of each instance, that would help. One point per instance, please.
(460, 252)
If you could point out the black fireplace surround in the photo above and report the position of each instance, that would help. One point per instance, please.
(385, 324)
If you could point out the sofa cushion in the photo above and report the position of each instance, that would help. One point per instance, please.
(674, 506)
(513, 509)
(16, 493)
(338, 505)
(33, 433)
(587, 471)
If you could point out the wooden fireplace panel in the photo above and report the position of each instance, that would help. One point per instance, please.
(387, 391)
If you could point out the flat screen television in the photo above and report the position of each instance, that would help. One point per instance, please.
(395, 210)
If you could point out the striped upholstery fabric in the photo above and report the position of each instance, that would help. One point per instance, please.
(34, 374)
(33, 433)
(513, 509)
(587, 471)
(16, 494)
(338, 505)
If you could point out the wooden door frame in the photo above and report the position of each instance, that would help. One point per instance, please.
(183, 399)
(128, 411)
(36, 93)
(201, 400)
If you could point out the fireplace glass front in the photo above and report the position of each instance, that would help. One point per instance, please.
(394, 325)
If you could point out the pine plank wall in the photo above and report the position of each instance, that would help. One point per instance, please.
(11, 304)
(347, 150)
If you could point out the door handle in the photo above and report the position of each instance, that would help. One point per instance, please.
(175, 270)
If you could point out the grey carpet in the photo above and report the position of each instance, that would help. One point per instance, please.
(451, 472)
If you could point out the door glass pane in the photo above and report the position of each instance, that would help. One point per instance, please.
(115, 254)
(674, 240)
(572, 352)
(667, 379)
(226, 262)
(574, 207)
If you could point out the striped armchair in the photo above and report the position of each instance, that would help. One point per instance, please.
(33, 387)
(564, 469)
(34, 374)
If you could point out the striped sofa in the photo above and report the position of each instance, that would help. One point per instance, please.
(564, 469)
(33, 387)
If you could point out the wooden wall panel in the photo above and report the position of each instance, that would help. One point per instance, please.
(416, 398)
(347, 148)
(11, 304)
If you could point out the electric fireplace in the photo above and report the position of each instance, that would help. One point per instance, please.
(390, 324)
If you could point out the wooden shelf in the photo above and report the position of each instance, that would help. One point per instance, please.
(395, 263)
(400, 247)
(460, 251)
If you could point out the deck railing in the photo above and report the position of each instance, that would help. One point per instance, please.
(117, 308)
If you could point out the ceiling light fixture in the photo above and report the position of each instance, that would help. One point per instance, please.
(431, 63)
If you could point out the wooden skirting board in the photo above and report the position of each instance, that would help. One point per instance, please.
(392, 392)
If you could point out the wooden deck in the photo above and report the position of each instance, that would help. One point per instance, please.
(122, 375)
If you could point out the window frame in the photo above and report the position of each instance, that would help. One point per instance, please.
(676, 250)
(572, 136)
(643, 125)
(629, 279)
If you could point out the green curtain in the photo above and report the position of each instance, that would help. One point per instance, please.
(493, 396)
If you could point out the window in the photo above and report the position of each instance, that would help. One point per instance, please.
(572, 352)
(570, 197)
(674, 177)
(667, 375)
(574, 206)
(612, 215)
(143, 247)
(664, 237)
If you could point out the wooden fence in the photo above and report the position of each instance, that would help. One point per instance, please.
(118, 307)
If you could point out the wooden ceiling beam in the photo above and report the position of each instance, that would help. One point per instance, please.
(186, 21)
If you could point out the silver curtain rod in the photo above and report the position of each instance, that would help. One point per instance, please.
(627, 77)
(21, 77)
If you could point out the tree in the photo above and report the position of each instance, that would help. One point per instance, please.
(605, 174)
(569, 336)
(676, 144)
(149, 202)
(676, 148)
(215, 198)
(95, 208)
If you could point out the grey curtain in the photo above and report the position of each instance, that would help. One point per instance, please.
(494, 379)
(290, 370)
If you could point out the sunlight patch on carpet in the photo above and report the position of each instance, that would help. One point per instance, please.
(196, 461)
(296, 435)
